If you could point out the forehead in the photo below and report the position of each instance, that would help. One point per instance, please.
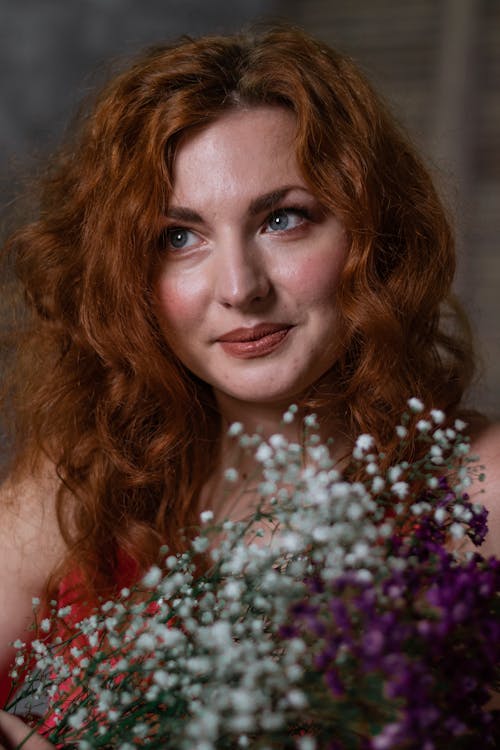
(243, 152)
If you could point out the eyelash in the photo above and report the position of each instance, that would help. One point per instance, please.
(301, 211)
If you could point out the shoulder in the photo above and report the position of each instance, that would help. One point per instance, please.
(485, 444)
(28, 525)
(31, 545)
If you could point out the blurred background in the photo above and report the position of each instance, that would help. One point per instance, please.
(437, 63)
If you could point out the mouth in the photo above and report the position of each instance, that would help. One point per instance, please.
(257, 341)
(254, 332)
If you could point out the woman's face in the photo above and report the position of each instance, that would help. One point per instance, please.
(247, 286)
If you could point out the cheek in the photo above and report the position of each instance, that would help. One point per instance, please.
(179, 302)
(315, 278)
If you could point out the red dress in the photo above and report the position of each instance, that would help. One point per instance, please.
(70, 595)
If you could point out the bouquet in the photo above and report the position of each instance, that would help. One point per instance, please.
(362, 623)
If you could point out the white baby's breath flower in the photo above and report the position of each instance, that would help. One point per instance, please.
(440, 515)
(278, 441)
(289, 415)
(297, 699)
(153, 577)
(438, 416)
(39, 647)
(45, 625)
(140, 729)
(77, 719)
(462, 513)
(361, 550)
(306, 743)
(231, 475)
(354, 511)
(460, 425)
(152, 693)
(206, 516)
(401, 431)
(145, 642)
(290, 541)
(267, 488)
(363, 444)
(415, 405)
(437, 460)
(394, 473)
(423, 425)
(232, 589)
(378, 485)
(200, 544)
(235, 429)
(457, 531)
(271, 721)
(199, 665)
(165, 680)
(263, 453)
(462, 449)
(385, 530)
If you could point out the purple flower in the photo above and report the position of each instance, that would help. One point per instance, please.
(424, 641)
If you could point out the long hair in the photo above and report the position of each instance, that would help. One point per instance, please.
(132, 433)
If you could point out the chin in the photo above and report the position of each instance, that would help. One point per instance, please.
(264, 395)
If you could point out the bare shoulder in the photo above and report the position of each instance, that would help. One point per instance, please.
(30, 547)
(485, 444)
(28, 526)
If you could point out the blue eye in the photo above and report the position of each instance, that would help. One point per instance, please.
(178, 238)
(285, 218)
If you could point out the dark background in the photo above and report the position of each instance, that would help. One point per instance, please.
(436, 61)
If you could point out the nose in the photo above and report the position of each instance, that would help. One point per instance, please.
(241, 275)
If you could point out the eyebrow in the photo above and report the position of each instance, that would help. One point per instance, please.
(264, 202)
(269, 200)
(183, 214)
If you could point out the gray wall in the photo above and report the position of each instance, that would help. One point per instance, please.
(53, 51)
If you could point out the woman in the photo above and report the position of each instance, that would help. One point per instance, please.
(237, 224)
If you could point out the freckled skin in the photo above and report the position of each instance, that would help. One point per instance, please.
(238, 268)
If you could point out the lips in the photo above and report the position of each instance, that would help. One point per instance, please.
(253, 333)
(257, 341)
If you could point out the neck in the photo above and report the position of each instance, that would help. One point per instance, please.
(266, 420)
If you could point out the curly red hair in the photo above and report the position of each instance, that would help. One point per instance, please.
(132, 433)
